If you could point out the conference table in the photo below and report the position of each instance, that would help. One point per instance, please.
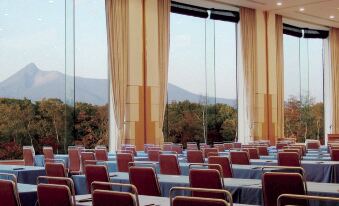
(27, 194)
(244, 191)
(24, 174)
(85, 200)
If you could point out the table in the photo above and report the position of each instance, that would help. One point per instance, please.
(27, 194)
(39, 160)
(24, 174)
(244, 191)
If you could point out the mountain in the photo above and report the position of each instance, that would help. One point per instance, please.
(176, 93)
(36, 84)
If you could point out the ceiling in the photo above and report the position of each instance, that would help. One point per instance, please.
(315, 11)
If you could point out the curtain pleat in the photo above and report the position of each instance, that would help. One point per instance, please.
(334, 45)
(280, 76)
(117, 40)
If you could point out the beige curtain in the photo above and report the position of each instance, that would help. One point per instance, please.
(164, 11)
(334, 45)
(248, 30)
(117, 40)
(280, 76)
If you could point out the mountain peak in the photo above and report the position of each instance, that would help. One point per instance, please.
(30, 68)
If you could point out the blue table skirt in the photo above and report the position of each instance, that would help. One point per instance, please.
(244, 191)
(27, 194)
(24, 174)
(40, 159)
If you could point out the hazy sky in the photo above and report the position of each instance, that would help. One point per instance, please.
(34, 31)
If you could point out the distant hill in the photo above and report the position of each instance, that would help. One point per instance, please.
(36, 84)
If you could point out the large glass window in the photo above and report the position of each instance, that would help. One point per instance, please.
(202, 89)
(304, 90)
(42, 75)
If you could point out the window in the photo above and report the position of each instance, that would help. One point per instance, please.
(42, 76)
(202, 91)
(304, 90)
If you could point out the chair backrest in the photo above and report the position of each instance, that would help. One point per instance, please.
(96, 173)
(55, 170)
(335, 154)
(28, 154)
(276, 183)
(228, 146)
(225, 164)
(291, 159)
(177, 148)
(208, 150)
(263, 150)
(220, 147)
(281, 145)
(87, 158)
(146, 146)
(56, 194)
(122, 161)
(153, 155)
(253, 153)
(9, 195)
(195, 156)
(237, 145)
(240, 157)
(145, 180)
(169, 164)
(74, 160)
(313, 144)
(192, 146)
(206, 178)
(296, 150)
(101, 154)
(167, 147)
(48, 153)
(132, 149)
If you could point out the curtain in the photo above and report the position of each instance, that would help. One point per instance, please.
(248, 47)
(280, 76)
(117, 40)
(334, 45)
(164, 12)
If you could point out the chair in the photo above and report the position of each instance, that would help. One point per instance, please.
(87, 158)
(54, 195)
(263, 151)
(208, 150)
(132, 149)
(96, 173)
(240, 157)
(206, 178)
(177, 148)
(198, 201)
(9, 195)
(28, 154)
(253, 153)
(145, 180)
(55, 170)
(281, 145)
(169, 164)
(167, 147)
(122, 161)
(146, 146)
(282, 198)
(101, 154)
(153, 155)
(313, 144)
(192, 146)
(291, 159)
(48, 154)
(220, 147)
(225, 164)
(276, 183)
(116, 198)
(294, 150)
(237, 145)
(335, 154)
(74, 161)
(228, 146)
(195, 156)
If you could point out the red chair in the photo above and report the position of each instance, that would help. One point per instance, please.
(48, 154)
(74, 160)
(167, 147)
(9, 195)
(132, 149)
(313, 144)
(195, 156)
(225, 164)
(96, 173)
(276, 183)
(55, 170)
(263, 151)
(228, 146)
(240, 157)
(101, 154)
(145, 180)
(177, 148)
(153, 155)
(28, 154)
(335, 154)
(208, 150)
(54, 195)
(253, 153)
(290, 159)
(122, 161)
(199, 201)
(87, 158)
(192, 146)
(206, 178)
(281, 145)
(220, 147)
(237, 145)
(169, 164)
(294, 150)
(110, 198)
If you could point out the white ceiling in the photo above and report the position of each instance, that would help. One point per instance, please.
(316, 11)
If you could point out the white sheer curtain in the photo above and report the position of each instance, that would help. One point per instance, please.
(327, 88)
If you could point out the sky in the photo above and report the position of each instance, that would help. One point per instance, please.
(202, 52)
